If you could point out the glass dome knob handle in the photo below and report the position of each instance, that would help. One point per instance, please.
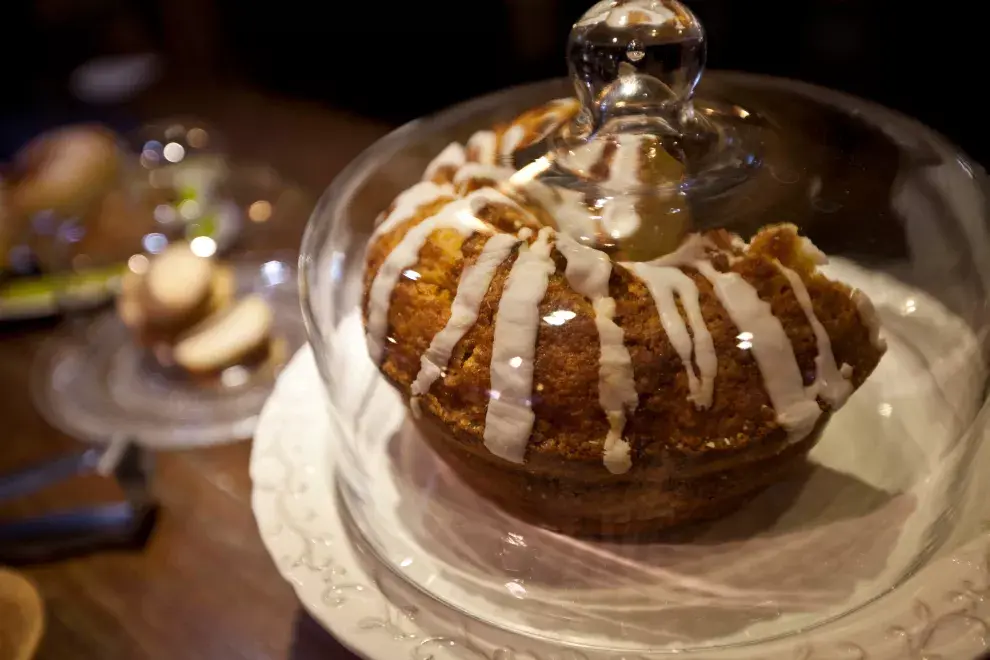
(636, 61)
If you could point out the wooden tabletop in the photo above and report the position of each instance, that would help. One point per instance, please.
(204, 586)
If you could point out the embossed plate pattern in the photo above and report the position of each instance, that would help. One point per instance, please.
(942, 612)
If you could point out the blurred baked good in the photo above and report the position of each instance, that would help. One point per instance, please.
(176, 291)
(185, 308)
(598, 396)
(237, 335)
(65, 170)
(76, 173)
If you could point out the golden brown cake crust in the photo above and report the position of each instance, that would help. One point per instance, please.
(570, 422)
(688, 463)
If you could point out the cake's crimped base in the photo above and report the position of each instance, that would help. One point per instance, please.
(643, 502)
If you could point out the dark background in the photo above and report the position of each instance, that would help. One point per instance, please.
(398, 60)
(205, 587)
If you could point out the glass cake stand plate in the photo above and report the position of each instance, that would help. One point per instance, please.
(878, 548)
(765, 583)
(104, 385)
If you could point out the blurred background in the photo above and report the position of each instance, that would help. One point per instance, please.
(394, 61)
(288, 93)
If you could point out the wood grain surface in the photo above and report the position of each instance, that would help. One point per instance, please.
(204, 586)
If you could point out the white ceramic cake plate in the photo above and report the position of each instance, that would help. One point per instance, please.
(941, 612)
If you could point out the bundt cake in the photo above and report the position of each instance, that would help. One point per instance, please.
(591, 394)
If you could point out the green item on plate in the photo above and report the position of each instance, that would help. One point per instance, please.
(30, 297)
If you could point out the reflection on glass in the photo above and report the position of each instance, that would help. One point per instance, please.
(274, 273)
(174, 152)
(203, 246)
(189, 209)
(154, 243)
(560, 317)
(516, 589)
(198, 138)
(260, 211)
(138, 264)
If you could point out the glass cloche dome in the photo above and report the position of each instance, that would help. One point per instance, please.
(651, 361)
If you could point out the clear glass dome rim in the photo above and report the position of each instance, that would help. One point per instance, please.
(322, 221)
(329, 220)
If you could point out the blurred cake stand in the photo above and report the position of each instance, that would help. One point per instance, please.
(941, 612)
(98, 384)
(103, 384)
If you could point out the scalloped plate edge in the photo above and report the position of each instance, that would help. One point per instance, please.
(942, 612)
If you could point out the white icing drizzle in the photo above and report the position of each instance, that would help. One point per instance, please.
(830, 383)
(485, 145)
(739, 244)
(588, 272)
(588, 269)
(655, 13)
(471, 292)
(624, 171)
(566, 207)
(408, 203)
(510, 417)
(619, 17)
(868, 315)
(619, 217)
(572, 216)
(454, 155)
(797, 409)
(482, 171)
(558, 111)
(811, 251)
(585, 157)
(598, 13)
(460, 216)
(691, 250)
(511, 140)
(663, 283)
